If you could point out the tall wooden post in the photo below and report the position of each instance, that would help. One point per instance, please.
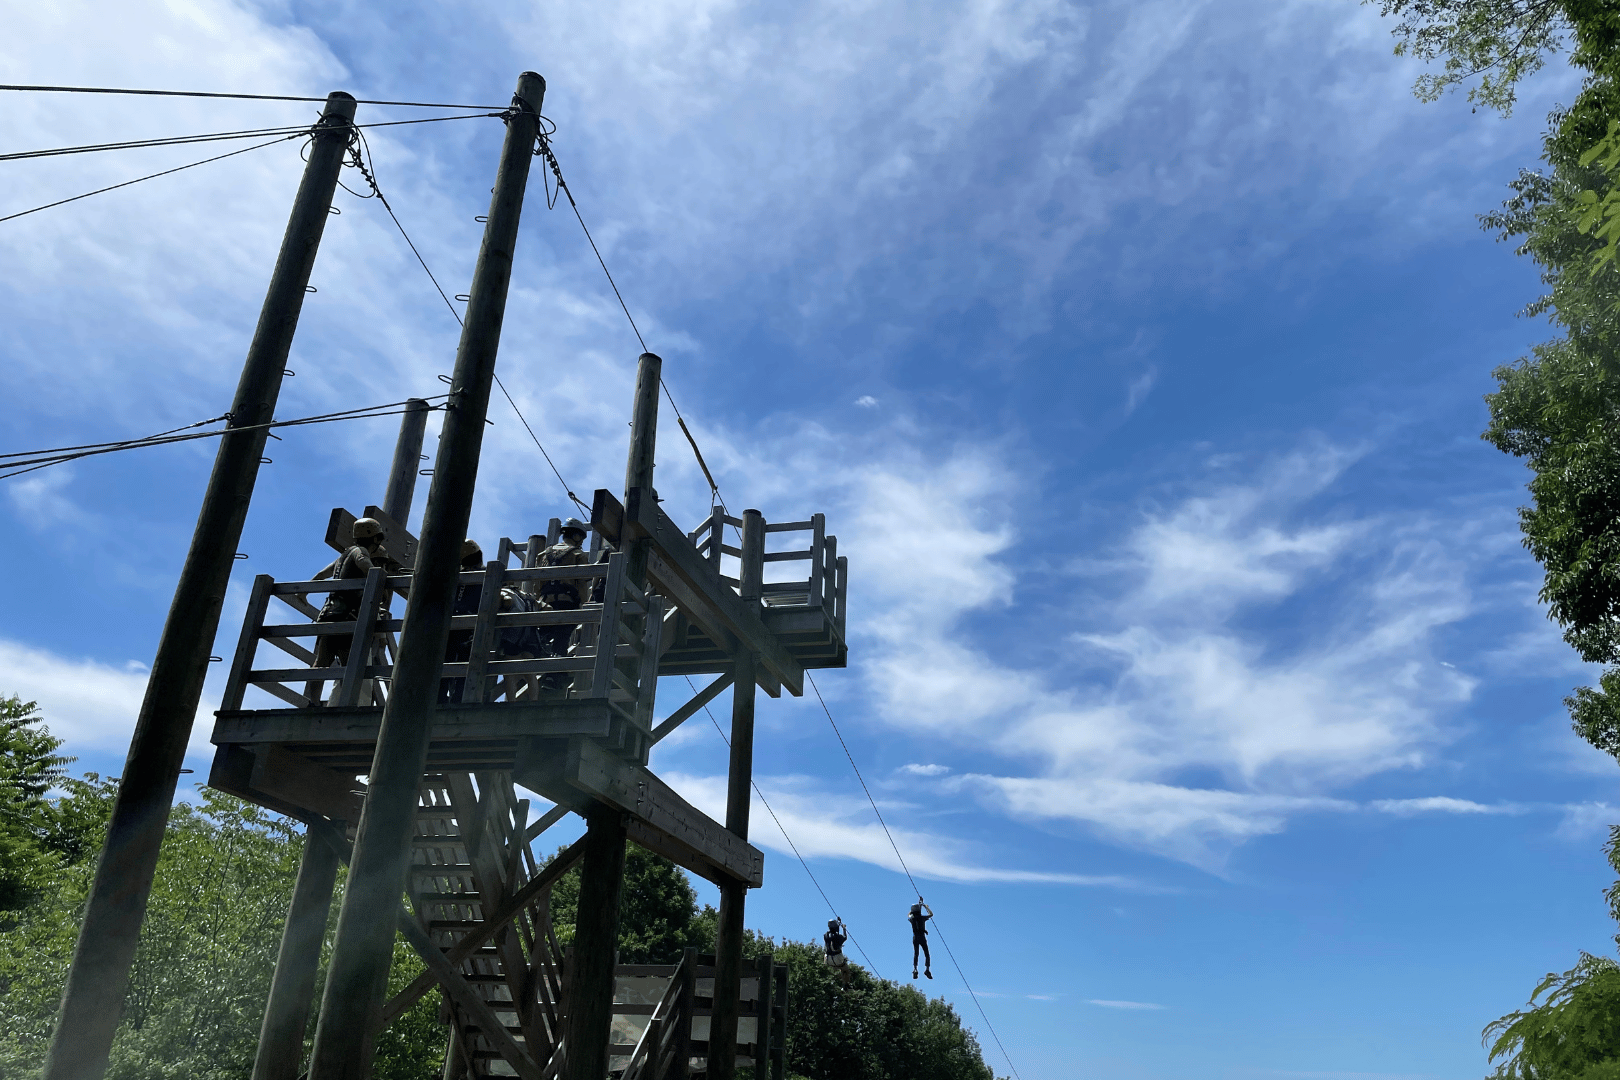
(739, 787)
(358, 977)
(403, 472)
(601, 875)
(292, 986)
(99, 976)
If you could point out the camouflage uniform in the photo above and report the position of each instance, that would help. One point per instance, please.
(344, 606)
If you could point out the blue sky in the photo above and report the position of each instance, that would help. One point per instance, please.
(1134, 352)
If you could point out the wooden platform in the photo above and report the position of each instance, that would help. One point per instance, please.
(295, 738)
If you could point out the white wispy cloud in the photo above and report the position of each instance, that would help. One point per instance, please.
(1441, 804)
(841, 829)
(1172, 686)
(89, 704)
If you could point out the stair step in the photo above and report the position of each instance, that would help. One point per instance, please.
(450, 898)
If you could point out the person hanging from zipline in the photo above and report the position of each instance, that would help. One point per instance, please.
(919, 937)
(832, 945)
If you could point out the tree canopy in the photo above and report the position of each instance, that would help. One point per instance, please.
(1497, 42)
(1557, 408)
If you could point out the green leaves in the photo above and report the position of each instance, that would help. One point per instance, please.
(1499, 42)
(1570, 1029)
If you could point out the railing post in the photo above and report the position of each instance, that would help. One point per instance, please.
(818, 545)
(365, 623)
(841, 582)
(483, 638)
(751, 577)
(683, 1016)
(647, 677)
(717, 538)
(247, 646)
(607, 637)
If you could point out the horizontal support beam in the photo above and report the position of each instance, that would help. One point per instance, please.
(579, 773)
(279, 780)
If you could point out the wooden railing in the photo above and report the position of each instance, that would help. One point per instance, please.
(823, 587)
(604, 659)
(665, 1045)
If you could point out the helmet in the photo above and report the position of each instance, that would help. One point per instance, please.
(367, 529)
(470, 549)
(575, 525)
(832, 924)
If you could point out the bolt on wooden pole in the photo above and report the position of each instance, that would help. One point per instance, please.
(99, 976)
(728, 941)
(601, 876)
(351, 1007)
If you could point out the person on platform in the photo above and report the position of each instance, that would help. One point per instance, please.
(356, 562)
(562, 595)
(919, 937)
(458, 648)
(832, 947)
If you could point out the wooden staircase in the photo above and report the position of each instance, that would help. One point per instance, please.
(483, 901)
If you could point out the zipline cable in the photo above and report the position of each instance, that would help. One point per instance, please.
(240, 97)
(864, 788)
(367, 171)
(783, 830)
(938, 929)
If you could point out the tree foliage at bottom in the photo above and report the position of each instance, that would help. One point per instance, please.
(1570, 1028)
(213, 928)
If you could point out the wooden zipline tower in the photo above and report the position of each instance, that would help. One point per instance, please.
(419, 798)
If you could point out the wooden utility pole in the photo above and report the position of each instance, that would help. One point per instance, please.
(739, 789)
(351, 1007)
(402, 473)
(601, 876)
(99, 977)
(292, 987)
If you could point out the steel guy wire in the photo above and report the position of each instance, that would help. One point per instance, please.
(543, 149)
(904, 867)
(367, 170)
(33, 460)
(154, 176)
(241, 97)
(218, 136)
(783, 830)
